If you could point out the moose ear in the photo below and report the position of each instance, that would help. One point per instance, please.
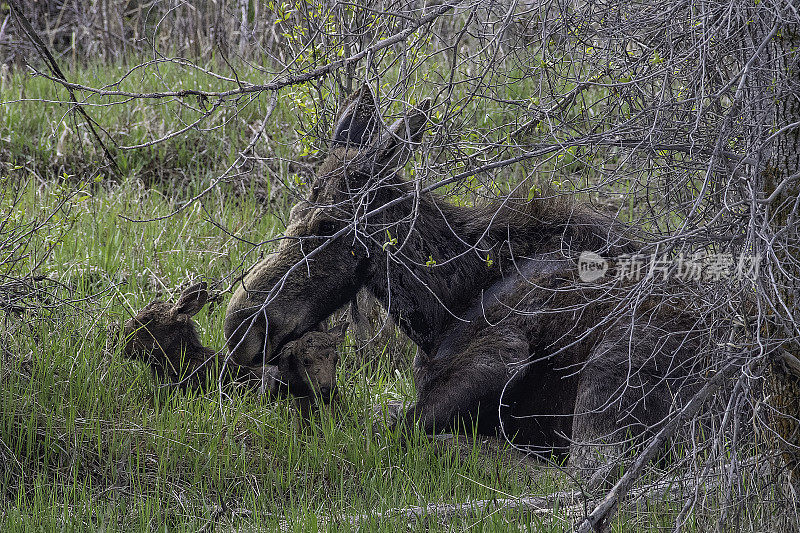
(339, 331)
(192, 299)
(358, 119)
(396, 144)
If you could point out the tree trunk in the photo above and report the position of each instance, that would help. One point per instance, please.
(773, 105)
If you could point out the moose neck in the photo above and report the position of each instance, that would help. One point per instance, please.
(424, 271)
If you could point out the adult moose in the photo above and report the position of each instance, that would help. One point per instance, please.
(489, 295)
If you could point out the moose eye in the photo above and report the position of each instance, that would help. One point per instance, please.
(326, 228)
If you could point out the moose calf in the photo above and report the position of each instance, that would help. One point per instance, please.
(164, 335)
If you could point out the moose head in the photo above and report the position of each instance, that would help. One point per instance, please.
(323, 258)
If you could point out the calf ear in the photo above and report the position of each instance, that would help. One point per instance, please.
(339, 331)
(358, 119)
(397, 143)
(192, 300)
(287, 358)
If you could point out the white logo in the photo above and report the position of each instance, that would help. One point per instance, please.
(591, 266)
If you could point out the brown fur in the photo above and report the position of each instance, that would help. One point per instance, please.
(164, 335)
(574, 365)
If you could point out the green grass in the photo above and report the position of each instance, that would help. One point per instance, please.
(87, 439)
(91, 443)
(38, 131)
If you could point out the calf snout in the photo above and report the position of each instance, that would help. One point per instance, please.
(325, 391)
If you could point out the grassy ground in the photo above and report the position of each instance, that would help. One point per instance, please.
(87, 439)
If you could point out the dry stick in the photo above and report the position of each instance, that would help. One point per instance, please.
(562, 503)
(275, 86)
(566, 501)
(791, 362)
(241, 157)
(280, 84)
(600, 517)
(48, 58)
(562, 104)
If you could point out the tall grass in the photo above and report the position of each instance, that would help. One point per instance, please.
(88, 441)
(38, 130)
(91, 442)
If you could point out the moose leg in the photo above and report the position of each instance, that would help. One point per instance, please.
(452, 388)
(596, 441)
(458, 397)
(622, 396)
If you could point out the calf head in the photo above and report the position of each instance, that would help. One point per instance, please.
(163, 335)
(308, 364)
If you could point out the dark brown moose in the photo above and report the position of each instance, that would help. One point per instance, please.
(508, 337)
(164, 335)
